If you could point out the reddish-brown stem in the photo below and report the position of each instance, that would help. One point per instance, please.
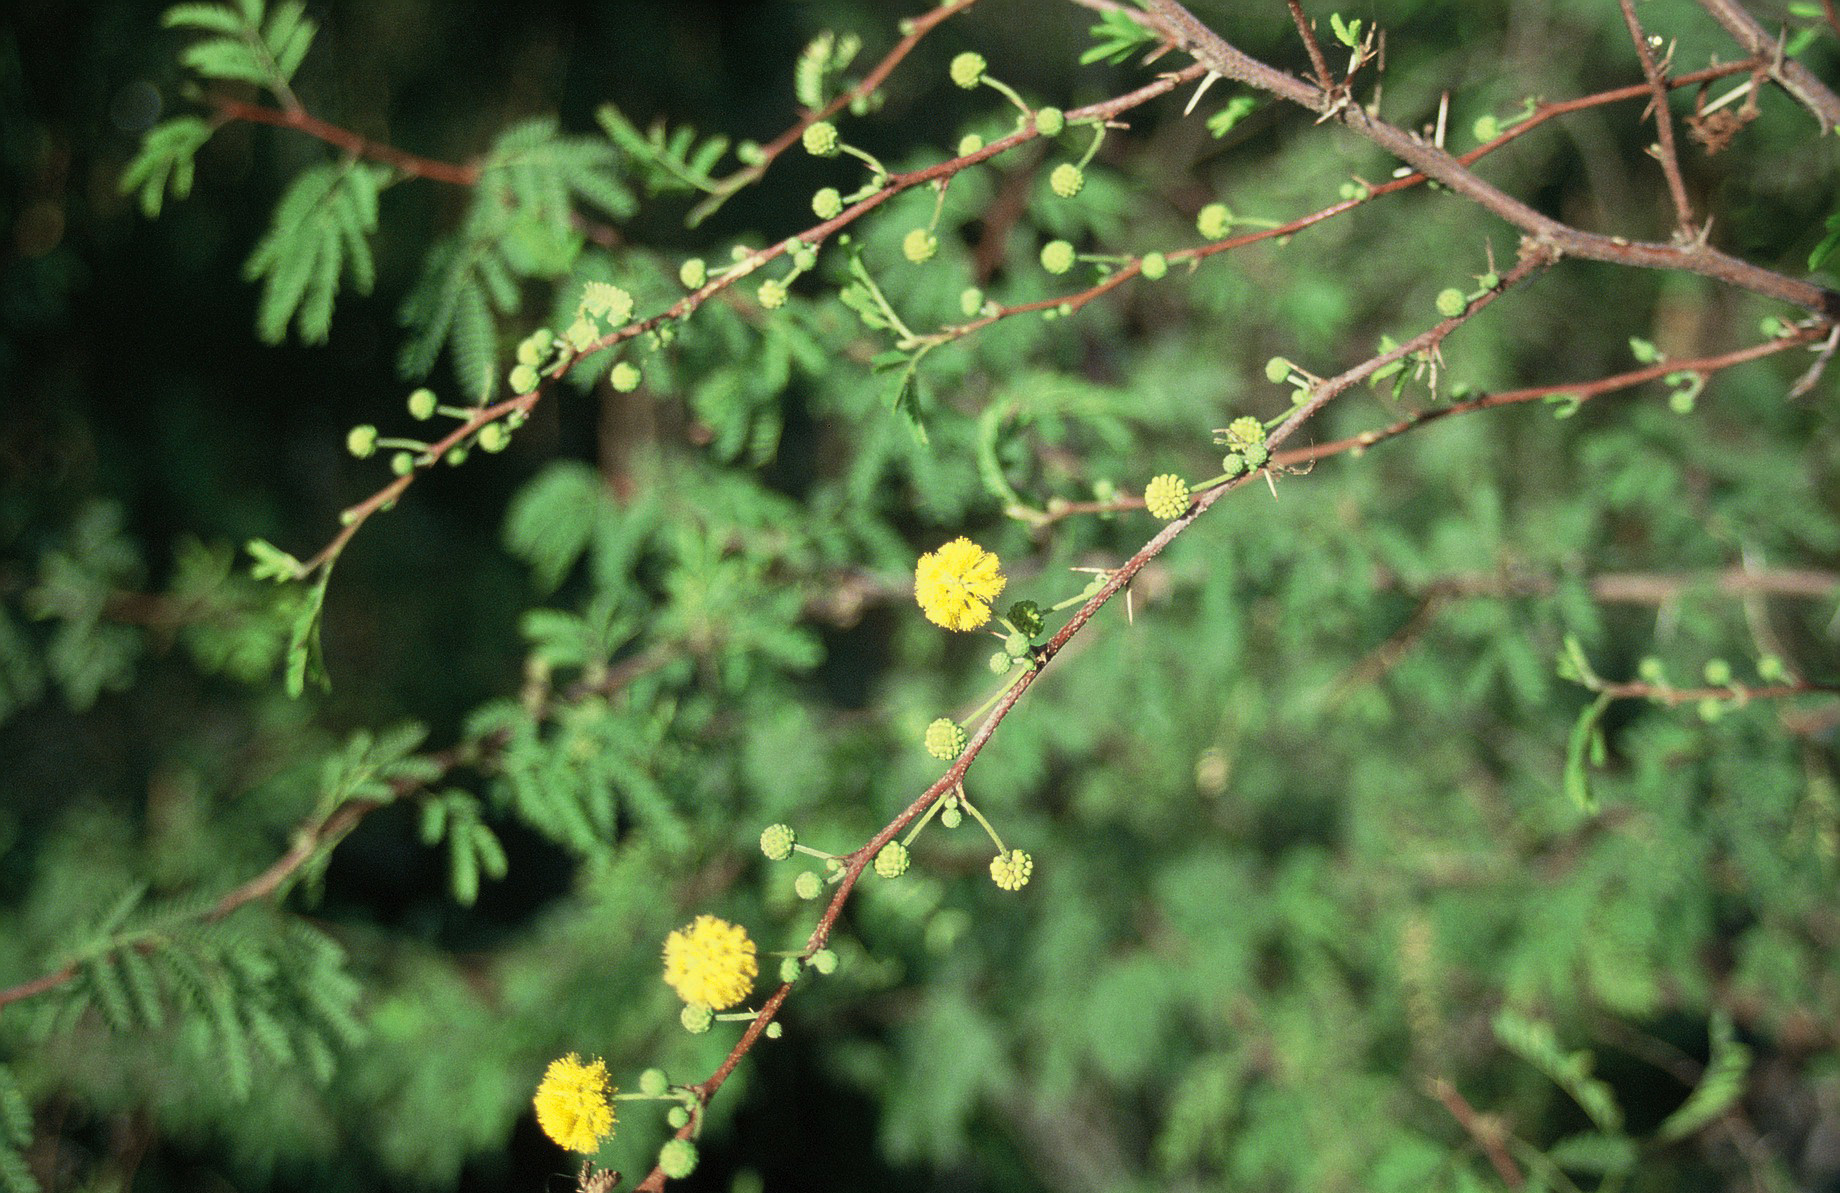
(1664, 123)
(343, 138)
(1485, 1130)
(1584, 391)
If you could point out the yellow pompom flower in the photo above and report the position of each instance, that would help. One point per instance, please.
(575, 1104)
(710, 963)
(956, 584)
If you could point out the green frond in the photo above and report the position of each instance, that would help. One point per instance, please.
(241, 46)
(212, 18)
(665, 161)
(449, 307)
(15, 1114)
(166, 162)
(318, 235)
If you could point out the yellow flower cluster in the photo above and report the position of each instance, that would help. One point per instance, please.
(574, 1104)
(710, 963)
(956, 584)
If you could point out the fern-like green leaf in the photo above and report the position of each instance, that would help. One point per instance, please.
(1532, 1040)
(15, 1115)
(1721, 1085)
(320, 233)
(241, 46)
(166, 162)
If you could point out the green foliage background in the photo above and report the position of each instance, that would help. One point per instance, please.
(1282, 894)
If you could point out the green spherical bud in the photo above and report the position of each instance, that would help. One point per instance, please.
(827, 203)
(677, 1117)
(771, 294)
(1001, 662)
(945, 739)
(777, 840)
(824, 961)
(625, 376)
(1011, 870)
(970, 301)
(950, 816)
(1256, 455)
(820, 139)
(1105, 489)
(1486, 128)
(1277, 370)
(677, 1158)
(523, 379)
(749, 153)
(1016, 645)
(696, 1018)
(1166, 496)
(1451, 303)
(1214, 221)
(919, 245)
(1153, 266)
(422, 404)
(1232, 464)
(528, 354)
(1050, 121)
(1771, 669)
(361, 441)
(1245, 431)
(1680, 401)
(773, 1030)
(969, 144)
(1711, 709)
(402, 463)
(1057, 256)
(1718, 672)
(1026, 617)
(892, 861)
(968, 69)
(1651, 671)
(455, 457)
(1067, 180)
(789, 969)
(693, 273)
(653, 1082)
(808, 885)
(493, 437)
(803, 257)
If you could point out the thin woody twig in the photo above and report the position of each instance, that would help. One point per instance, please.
(1787, 73)
(1217, 55)
(1318, 63)
(300, 120)
(1664, 124)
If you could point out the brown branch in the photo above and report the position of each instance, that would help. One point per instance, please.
(301, 121)
(1663, 694)
(1833, 17)
(1217, 55)
(1787, 73)
(1583, 391)
(1664, 124)
(1318, 63)
(1485, 1129)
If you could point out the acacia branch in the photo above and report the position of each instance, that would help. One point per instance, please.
(1787, 73)
(1218, 56)
(300, 120)
(1664, 124)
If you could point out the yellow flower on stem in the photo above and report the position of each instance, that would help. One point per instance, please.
(574, 1104)
(956, 584)
(710, 963)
